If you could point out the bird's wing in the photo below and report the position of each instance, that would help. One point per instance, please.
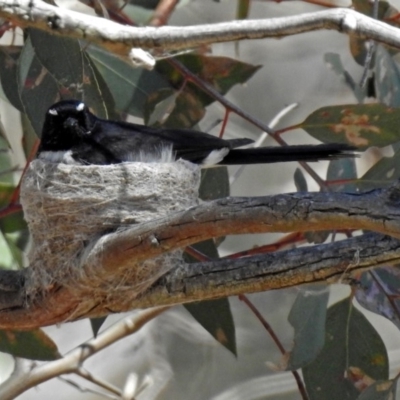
(121, 137)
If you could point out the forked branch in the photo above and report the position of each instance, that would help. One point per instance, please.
(377, 210)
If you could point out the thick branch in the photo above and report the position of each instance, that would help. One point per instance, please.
(331, 262)
(121, 39)
(377, 210)
(334, 261)
(221, 278)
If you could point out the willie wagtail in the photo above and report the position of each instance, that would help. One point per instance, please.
(72, 134)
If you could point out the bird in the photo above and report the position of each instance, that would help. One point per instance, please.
(72, 134)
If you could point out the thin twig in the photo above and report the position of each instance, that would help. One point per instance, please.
(163, 12)
(275, 121)
(207, 88)
(83, 373)
(82, 389)
(276, 340)
(72, 361)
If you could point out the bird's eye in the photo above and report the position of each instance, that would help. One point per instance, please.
(80, 107)
(52, 111)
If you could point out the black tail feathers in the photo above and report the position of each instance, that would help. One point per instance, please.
(310, 153)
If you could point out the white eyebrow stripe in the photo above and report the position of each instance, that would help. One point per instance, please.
(80, 107)
(53, 111)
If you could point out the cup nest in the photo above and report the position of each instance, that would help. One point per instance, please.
(70, 207)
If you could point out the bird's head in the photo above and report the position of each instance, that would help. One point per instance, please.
(65, 125)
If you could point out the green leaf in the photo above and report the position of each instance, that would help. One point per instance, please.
(300, 180)
(4, 138)
(15, 252)
(13, 222)
(73, 71)
(188, 109)
(9, 56)
(162, 108)
(96, 92)
(335, 63)
(7, 260)
(35, 83)
(366, 8)
(70, 66)
(216, 317)
(243, 8)
(381, 390)
(378, 292)
(220, 72)
(361, 125)
(6, 191)
(129, 86)
(33, 345)
(51, 66)
(351, 343)
(214, 183)
(358, 46)
(358, 49)
(387, 78)
(13, 226)
(62, 57)
(6, 164)
(382, 174)
(30, 137)
(343, 169)
(308, 316)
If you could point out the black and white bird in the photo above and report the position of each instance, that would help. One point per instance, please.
(72, 134)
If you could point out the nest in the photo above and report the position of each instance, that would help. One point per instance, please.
(69, 207)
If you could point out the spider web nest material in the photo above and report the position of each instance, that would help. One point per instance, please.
(69, 207)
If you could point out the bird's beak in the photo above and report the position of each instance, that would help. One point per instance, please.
(72, 125)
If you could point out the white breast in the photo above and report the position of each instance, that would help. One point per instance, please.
(64, 157)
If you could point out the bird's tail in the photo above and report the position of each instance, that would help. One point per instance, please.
(263, 155)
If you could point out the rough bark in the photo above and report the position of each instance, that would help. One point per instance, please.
(376, 210)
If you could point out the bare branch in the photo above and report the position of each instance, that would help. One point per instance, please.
(377, 210)
(120, 39)
(25, 378)
(327, 262)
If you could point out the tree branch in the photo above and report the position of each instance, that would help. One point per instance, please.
(113, 255)
(25, 378)
(330, 262)
(120, 39)
(376, 210)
